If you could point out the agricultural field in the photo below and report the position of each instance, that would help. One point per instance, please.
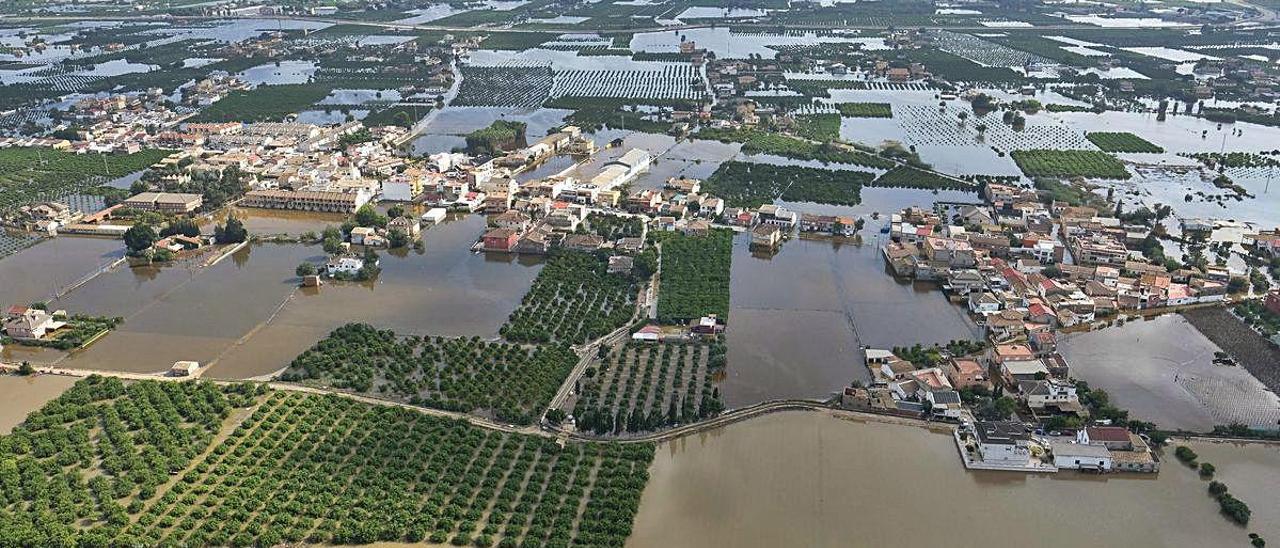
(284, 474)
(573, 300)
(664, 82)
(84, 465)
(263, 103)
(31, 175)
(763, 142)
(748, 184)
(645, 387)
(594, 113)
(821, 127)
(983, 52)
(531, 86)
(1229, 160)
(507, 86)
(694, 279)
(1122, 142)
(507, 381)
(866, 110)
(926, 125)
(13, 242)
(496, 138)
(1069, 163)
(910, 177)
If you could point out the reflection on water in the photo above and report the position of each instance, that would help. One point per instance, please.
(22, 395)
(811, 479)
(41, 270)
(798, 319)
(1162, 370)
(443, 290)
(270, 222)
(247, 316)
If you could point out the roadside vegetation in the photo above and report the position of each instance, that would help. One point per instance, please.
(507, 381)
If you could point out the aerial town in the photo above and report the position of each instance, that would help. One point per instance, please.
(639, 273)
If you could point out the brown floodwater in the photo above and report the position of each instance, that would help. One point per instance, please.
(22, 395)
(1162, 370)
(272, 222)
(813, 479)
(443, 290)
(41, 270)
(247, 317)
(798, 320)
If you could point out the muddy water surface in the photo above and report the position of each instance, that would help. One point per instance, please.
(800, 318)
(22, 395)
(811, 479)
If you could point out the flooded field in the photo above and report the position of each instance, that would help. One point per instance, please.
(444, 290)
(247, 316)
(446, 129)
(1162, 370)
(799, 319)
(22, 395)
(43, 269)
(817, 480)
(269, 222)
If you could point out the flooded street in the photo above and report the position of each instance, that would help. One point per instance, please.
(816, 480)
(22, 395)
(1162, 370)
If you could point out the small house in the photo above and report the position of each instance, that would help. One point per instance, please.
(500, 239)
(184, 369)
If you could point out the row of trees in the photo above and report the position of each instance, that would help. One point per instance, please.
(511, 382)
(645, 388)
(574, 299)
(694, 279)
(309, 469)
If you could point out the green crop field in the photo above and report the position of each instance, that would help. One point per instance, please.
(193, 464)
(507, 381)
(866, 110)
(572, 300)
(694, 279)
(1069, 163)
(30, 175)
(1122, 142)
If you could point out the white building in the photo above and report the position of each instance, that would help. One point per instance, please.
(344, 265)
(434, 215)
(1003, 442)
(184, 369)
(1079, 456)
